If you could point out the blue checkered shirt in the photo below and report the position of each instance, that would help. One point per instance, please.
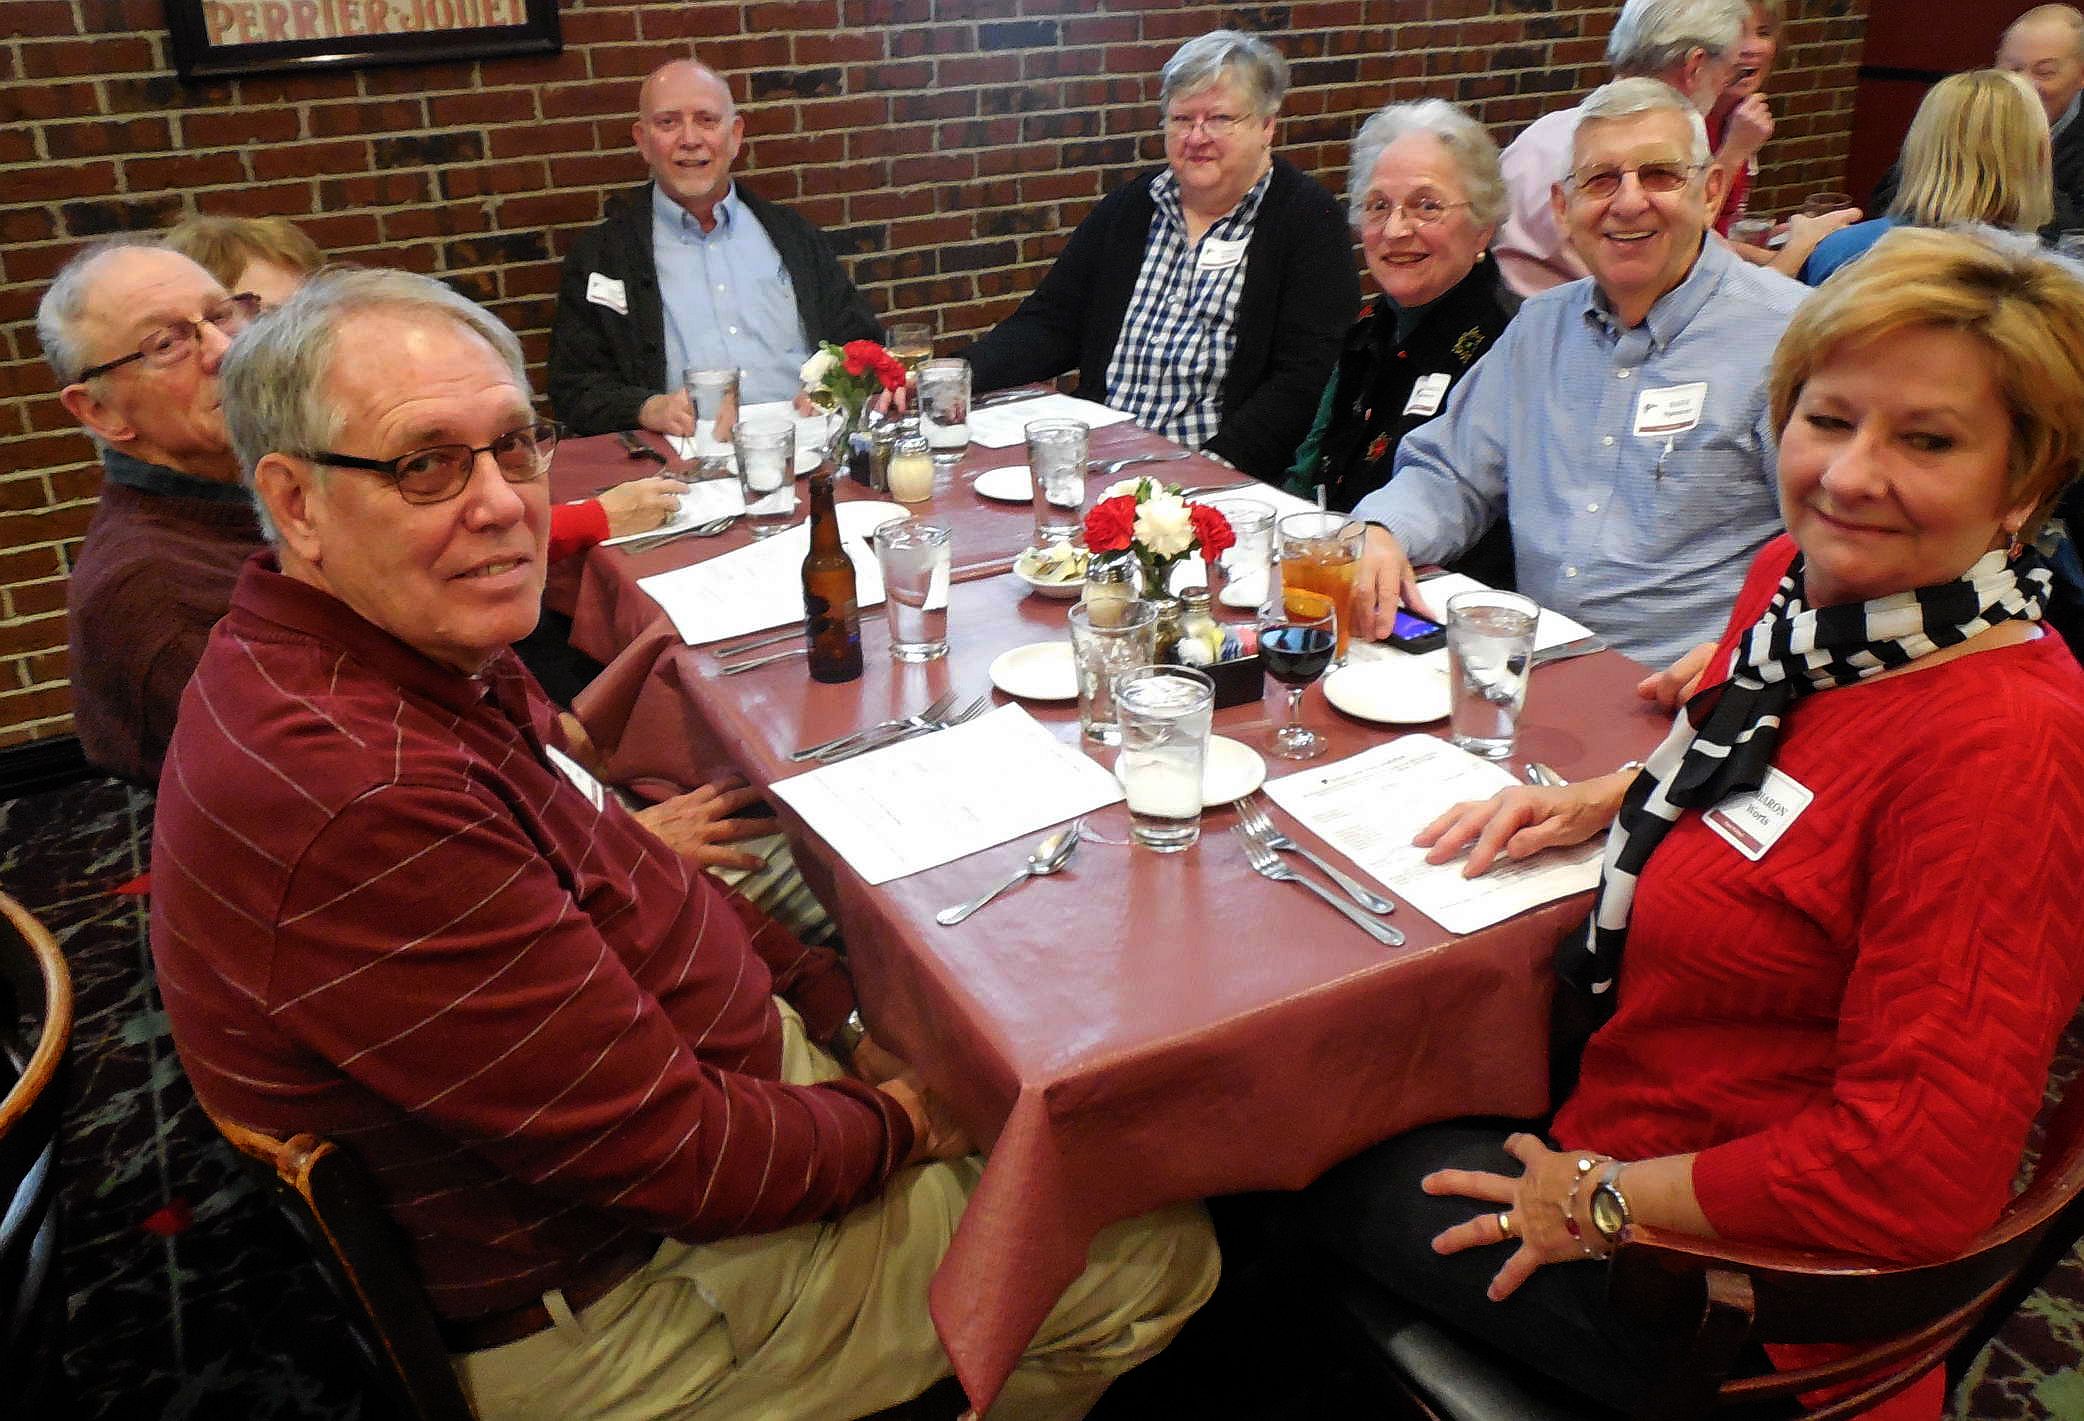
(1174, 350)
(1643, 538)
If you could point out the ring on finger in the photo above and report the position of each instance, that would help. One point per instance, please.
(1506, 1228)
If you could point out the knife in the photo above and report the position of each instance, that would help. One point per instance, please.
(638, 449)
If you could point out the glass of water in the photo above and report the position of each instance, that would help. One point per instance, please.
(1108, 638)
(766, 450)
(913, 556)
(1248, 564)
(1165, 714)
(714, 396)
(1490, 637)
(1057, 463)
(944, 407)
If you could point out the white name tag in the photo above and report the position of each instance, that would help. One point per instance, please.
(1427, 394)
(1220, 252)
(606, 291)
(1675, 409)
(575, 772)
(1753, 822)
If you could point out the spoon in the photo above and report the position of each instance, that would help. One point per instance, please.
(1048, 856)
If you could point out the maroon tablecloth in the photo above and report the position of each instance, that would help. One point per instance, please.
(1141, 1028)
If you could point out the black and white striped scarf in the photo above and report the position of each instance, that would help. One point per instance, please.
(1794, 650)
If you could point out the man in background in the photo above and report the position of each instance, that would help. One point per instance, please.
(692, 270)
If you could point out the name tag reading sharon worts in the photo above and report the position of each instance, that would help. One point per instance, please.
(1659, 414)
(607, 291)
(1753, 821)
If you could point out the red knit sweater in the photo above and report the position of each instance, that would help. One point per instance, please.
(1854, 1032)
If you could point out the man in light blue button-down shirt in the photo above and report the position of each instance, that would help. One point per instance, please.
(1623, 418)
(692, 271)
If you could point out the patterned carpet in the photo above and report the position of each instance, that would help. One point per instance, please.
(190, 1299)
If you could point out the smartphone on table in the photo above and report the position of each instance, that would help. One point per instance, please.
(1416, 634)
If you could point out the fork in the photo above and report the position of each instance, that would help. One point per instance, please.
(962, 717)
(1256, 823)
(1114, 466)
(700, 530)
(1267, 864)
(937, 709)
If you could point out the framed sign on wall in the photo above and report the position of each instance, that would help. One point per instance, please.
(221, 38)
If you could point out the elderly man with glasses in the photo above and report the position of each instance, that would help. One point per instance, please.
(1208, 299)
(1622, 417)
(135, 334)
(596, 1095)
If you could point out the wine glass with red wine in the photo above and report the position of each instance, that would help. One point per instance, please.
(1297, 644)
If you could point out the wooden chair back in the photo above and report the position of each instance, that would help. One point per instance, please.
(332, 1203)
(1898, 1322)
(36, 1013)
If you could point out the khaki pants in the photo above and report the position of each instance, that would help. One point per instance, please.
(829, 1320)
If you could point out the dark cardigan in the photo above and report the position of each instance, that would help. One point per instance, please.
(604, 366)
(1363, 418)
(1299, 294)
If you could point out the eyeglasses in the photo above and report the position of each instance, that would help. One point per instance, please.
(1216, 125)
(175, 341)
(1652, 177)
(439, 472)
(1418, 211)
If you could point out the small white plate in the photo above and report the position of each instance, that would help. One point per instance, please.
(1232, 771)
(1064, 591)
(1011, 484)
(1403, 691)
(1039, 671)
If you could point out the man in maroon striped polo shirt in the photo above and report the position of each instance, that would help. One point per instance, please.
(388, 909)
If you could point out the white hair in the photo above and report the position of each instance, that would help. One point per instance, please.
(1653, 36)
(1468, 142)
(1232, 54)
(1625, 98)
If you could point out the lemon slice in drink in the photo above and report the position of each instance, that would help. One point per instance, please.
(1301, 602)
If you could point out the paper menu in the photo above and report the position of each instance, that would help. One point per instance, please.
(812, 430)
(761, 585)
(937, 798)
(705, 499)
(1005, 426)
(1368, 807)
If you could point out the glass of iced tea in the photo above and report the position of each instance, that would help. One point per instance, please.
(1320, 553)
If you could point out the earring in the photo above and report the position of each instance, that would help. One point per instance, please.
(2014, 548)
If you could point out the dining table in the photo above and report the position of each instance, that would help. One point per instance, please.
(1140, 1028)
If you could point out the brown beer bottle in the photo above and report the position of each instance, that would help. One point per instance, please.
(831, 617)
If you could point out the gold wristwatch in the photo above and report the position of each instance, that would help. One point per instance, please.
(1610, 1212)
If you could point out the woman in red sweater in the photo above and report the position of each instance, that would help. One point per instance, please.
(1850, 931)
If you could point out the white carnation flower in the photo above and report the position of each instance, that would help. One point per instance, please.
(1164, 526)
(817, 368)
(1132, 487)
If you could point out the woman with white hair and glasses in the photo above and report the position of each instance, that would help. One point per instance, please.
(1425, 195)
(1206, 299)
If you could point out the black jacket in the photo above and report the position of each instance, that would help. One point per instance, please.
(1364, 416)
(604, 366)
(1299, 294)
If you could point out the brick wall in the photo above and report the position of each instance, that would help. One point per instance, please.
(948, 144)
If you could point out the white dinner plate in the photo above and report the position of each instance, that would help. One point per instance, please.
(1011, 484)
(1039, 671)
(1232, 771)
(1403, 691)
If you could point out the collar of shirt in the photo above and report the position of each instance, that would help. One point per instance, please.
(2069, 116)
(1676, 308)
(677, 223)
(265, 591)
(1237, 222)
(168, 483)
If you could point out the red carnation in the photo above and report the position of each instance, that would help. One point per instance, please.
(859, 356)
(1211, 530)
(1111, 525)
(888, 370)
